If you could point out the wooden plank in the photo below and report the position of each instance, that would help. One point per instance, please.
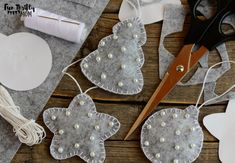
(127, 108)
(150, 69)
(127, 114)
(114, 6)
(23, 155)
(116, 152)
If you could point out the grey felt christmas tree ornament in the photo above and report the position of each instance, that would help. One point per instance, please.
(80, 130)
(172, 136)
(116, 65)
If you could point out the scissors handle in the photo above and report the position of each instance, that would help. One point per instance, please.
(209, 32)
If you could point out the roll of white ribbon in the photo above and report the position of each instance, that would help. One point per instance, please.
(55, 25)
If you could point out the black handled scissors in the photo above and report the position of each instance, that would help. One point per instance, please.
(204, 34)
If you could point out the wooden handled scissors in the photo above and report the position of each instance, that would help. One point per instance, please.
(206, 35)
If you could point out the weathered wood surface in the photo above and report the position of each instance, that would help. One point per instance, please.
(127, 108)
(150, 69)
(117, 149)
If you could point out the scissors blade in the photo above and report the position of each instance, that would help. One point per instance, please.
(178, 69)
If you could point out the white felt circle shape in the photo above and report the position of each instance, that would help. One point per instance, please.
(25, 61)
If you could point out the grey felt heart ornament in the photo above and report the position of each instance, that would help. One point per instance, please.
(116, 65)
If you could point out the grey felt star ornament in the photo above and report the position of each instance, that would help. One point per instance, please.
(115, 65)
(80, 130)
(172, 136)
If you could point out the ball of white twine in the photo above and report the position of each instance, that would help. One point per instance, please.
(27, 131)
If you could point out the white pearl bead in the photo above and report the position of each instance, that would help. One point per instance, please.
(187, 116)
(123, 66)
(110, 55)
(146, 143)
(158, 155)
(120, 84)
(193, 129)
(85, 65)
(175, 115)
(60, 150)
(123, 49)
(103, 76)
(115, 37)
(98, 59)
(76, 145)
(149, 127)
(81, 102)
(92, 154)
(102, 43)
(162, 140)
(111, 124)
(135, 80)
(135, 36)
(178, 132)
(92, 138)
(175, 161)
(53, 117)
(89, 115)
(129, 25)
(138, 60)
(192, 145)
(76, 126)
(163, 124)
(177, 147)
(97, 127)
(61, 132)
(67, 113)
(163, 113)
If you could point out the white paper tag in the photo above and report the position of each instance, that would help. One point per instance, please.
(25, 61)
(221, 125)
(151, 11)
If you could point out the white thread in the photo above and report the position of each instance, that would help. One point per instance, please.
(204, 82)
(78, 85)
(89, 89)
(27, 131)
(137, 9)
(63, 71)
(55, 25)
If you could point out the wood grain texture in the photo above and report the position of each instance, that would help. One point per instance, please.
(126, 114)
(117, 149)
(116, 152)
(127, 108)
(150, 69)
